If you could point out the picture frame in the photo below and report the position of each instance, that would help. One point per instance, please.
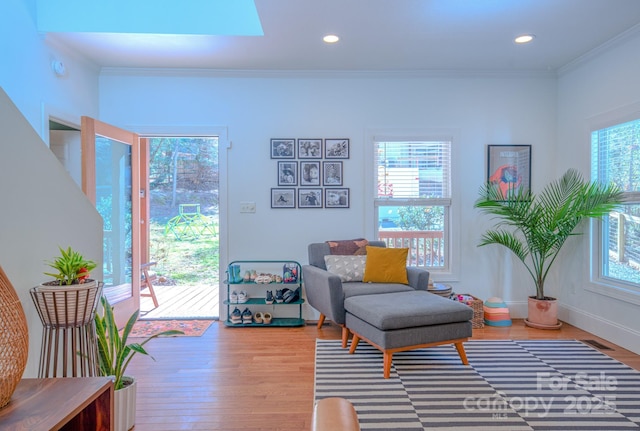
(283, 148)
(509, 166)
(310, 173)
(287, 173)
(309, 198)
(309, 148)
(283, 198)
(336, 148)
(332, 173)
(335, 197)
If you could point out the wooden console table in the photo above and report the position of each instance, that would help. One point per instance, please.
(69, 404)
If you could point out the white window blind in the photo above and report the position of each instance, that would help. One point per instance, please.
(615, 158)
(616, 155)
(413, 169)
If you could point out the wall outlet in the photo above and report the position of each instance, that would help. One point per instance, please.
(247, 207)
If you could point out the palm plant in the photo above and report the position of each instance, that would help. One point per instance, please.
(535, 227)
(114, 354)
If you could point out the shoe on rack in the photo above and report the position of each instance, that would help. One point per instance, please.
(266, 318)
(236, 317)
(242, 297)
(269, 299)
(279, 297)
(233, 297)
(258, 318)
(247, 317)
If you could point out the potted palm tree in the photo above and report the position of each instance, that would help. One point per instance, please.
(535, 227)
(114, 355)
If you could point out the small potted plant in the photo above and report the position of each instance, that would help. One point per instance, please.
(72, 297)
(71, 267)
(114, 355)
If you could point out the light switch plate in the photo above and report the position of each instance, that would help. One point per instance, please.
(247, 207)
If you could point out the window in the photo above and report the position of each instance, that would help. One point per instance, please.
(615, 157)
(413, 198)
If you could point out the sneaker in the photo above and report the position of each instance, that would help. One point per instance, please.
(233, 297)
(247, 317)
(269, 299)
(257, 318)
(236, 316)
(279, 297)
(266, 318)
(242, 297)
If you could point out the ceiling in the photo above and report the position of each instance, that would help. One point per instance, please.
(382, 35)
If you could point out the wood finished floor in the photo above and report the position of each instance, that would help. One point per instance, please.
(254, 379)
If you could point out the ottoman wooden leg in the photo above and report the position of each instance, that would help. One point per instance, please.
(387, 363)
(462, 353)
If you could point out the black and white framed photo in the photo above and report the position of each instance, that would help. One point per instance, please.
(332, 173)
(310, 173)
(309, 148)
(335, 197)
(309, 198)
(283, 148)
(336, 148)
(283, 198)
(287, 173)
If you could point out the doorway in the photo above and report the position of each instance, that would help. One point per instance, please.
(182, 229)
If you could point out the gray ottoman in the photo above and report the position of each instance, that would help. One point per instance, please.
(395, 322)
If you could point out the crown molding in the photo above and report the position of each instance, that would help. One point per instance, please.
(325, 74)
(600, 50)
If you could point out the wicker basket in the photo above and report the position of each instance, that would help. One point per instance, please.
(478, 311)
(14, 339)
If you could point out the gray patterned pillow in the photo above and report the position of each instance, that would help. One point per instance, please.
(348, 268)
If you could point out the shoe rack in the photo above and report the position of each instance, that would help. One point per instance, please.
(255, 278)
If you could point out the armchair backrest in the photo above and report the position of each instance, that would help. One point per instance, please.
(318, 250)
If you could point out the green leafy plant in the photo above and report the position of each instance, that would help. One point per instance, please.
(114, 354)
(72, 267)
(535, 227)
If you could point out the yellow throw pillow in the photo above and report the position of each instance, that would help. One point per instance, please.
(386, 265)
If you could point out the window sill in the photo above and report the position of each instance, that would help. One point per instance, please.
(616, 292)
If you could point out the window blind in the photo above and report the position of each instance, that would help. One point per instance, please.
(413, 169)
(616, 155)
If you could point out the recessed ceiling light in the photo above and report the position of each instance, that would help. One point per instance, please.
(331, 38)
(525, 38)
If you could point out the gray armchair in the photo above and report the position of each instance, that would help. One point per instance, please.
(326, 292)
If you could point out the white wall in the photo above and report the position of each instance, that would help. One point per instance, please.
(27, 77)
(605, 86)
(254, 107)
(41, 208)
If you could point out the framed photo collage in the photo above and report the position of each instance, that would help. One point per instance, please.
(309, 173)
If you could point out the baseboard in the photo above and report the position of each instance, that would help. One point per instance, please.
(623, 336)
(518, 309)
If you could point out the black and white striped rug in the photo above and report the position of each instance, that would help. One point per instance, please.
(509, 385)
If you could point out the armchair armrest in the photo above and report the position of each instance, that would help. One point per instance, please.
(418, 278)
(324, 292)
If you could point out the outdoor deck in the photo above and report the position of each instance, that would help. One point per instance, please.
(181, 302)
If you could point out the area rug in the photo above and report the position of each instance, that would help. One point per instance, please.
(191, 328)
(509, 385)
